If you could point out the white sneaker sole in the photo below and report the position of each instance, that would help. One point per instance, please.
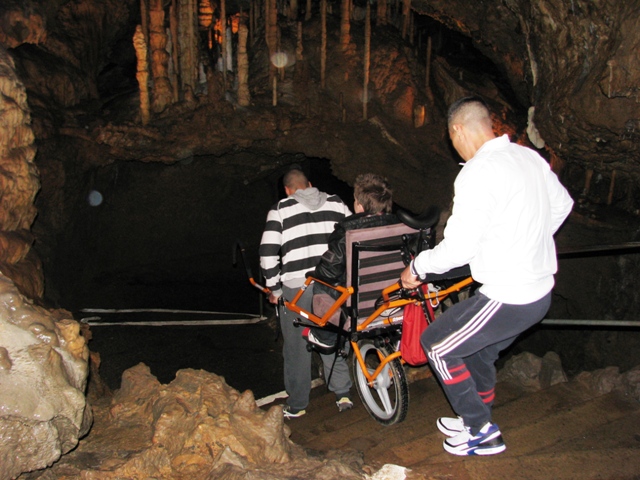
(492, 445)
(480, 450)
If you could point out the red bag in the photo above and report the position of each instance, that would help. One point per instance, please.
(413, 324)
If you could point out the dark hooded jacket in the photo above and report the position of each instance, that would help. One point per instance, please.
(333, 264)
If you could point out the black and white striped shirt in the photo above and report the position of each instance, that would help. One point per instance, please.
(296, 235)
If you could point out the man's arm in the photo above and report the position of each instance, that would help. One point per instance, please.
(270, 254)
(559, 199)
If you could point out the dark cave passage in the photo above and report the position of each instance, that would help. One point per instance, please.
(162, 236)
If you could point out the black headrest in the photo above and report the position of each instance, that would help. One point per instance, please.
(425, 220)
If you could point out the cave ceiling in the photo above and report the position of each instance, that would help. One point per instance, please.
(574, 61)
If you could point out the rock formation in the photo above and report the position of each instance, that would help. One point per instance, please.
(19, 183)
(195, 427)
(43, 375)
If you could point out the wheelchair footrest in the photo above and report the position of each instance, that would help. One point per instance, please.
(314, 343)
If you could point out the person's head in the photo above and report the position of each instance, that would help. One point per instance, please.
(372, 194)
(470, 125)
(294, 180)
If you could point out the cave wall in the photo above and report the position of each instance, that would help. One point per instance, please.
(19, 183)
(576, 63)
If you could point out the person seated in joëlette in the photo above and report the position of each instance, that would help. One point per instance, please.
(373, 201)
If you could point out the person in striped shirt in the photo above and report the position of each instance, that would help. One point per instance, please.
(295, 237)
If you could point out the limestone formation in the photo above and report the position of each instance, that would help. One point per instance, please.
(158, 39)
(345, 25)
(195, 427)
(244, 96)
(43, 375)
(142, 74)
(187, 45)
(271, 32)
(19, 183)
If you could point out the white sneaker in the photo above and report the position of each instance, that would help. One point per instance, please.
(344, 403)
(488, 441)
(450, 426)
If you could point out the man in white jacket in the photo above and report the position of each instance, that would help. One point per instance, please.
(507, 206)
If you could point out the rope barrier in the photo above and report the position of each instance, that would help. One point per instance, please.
(567, 252)
(97, 321)
(591, 323)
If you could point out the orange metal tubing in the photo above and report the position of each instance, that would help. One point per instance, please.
(383, 362)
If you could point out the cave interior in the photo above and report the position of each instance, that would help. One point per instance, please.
(143, 208)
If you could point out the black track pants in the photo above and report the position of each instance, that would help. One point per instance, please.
(463, 344)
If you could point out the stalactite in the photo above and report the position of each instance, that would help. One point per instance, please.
(381, 15)
(223, 40)
(142, 73)
(144, 20)
(345, 26)
(205, 14)
(406, 10)
(244, 96)
(229, 44)
(307, 13)
(174, 75)
(293, 10)
(299, 47)
(280, 59)
(188, 46)
(162, 92)
(275, 91)
(323, 43)
(367, 56)
(272, 35)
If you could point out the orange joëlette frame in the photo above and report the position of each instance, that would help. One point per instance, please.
(346, 292)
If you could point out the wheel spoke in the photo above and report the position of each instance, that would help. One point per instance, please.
(383, 394)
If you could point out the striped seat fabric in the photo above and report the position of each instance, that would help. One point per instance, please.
(374, 261)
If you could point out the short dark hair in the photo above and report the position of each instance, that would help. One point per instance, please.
(467, 107)
(295, 179)
(374, 193)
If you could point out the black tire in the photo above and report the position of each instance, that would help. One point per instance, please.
(387, 401)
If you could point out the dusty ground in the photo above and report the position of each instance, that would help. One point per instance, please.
(564, 432)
